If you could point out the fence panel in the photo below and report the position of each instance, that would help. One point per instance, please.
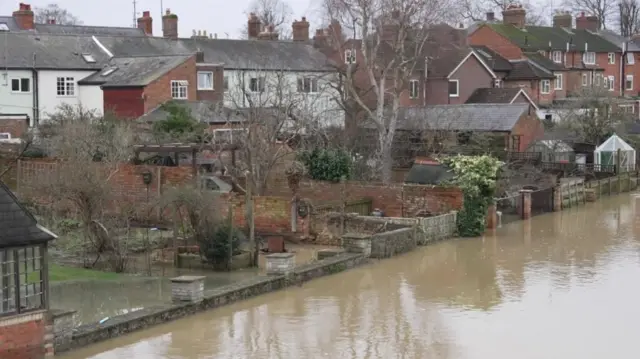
(509, 209)
(542, 201)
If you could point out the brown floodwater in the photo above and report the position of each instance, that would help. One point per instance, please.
(563, 285)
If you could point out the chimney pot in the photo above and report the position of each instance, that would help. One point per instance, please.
(253, 26)
(563, 19)
(24, 17)
(168, 12)
(146, 14)
(300, 30)
(146, 23)
(170, 25)
(591, 22)
(514, 15)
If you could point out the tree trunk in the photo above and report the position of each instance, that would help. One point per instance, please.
(384, 157)
(250, 223)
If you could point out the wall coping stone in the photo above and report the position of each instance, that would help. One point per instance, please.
(57, 313)
(285, 255)
(353, 235)
(187, 278)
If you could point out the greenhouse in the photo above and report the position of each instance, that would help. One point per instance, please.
(615, 151)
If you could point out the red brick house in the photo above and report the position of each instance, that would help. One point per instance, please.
(587, 58)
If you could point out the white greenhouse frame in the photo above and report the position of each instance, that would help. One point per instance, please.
(607, 154)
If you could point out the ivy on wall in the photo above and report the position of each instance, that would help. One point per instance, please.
(327, 164)
(476, 176)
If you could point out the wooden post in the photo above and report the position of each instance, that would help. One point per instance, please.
(18, 170)
(343, 204)
(230, 215)
(609, 179)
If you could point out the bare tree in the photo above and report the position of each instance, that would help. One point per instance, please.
(393, 34)
(272, 12)
(603, 9)
(89, 150)
(53, 12)
(476, 10)
(628, 17)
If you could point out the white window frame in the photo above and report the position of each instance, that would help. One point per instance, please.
(179, 89)
(611, 58)
(308, 84)
(225, 83)
(597, 79)
(585, 79)
(457, 94)
(497, 83)
(628, 80)
(201, 85)
(20, 89)
(545, 84)
(589, 58)
(414, 89)
(65, 86)
(558, 83)
(611, 80)
(216, 132)
(557, 57)
(631, 60)
(259, 84)
(632, 107)
(350, 56)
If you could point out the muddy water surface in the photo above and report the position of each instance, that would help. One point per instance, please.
(564, 285)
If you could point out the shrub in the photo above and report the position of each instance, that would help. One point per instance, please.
(215, 247)
(327, 165)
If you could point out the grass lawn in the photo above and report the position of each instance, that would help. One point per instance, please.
(59, 273)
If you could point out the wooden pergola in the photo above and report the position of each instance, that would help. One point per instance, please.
(175, 149)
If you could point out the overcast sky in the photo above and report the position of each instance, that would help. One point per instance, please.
(214, 16)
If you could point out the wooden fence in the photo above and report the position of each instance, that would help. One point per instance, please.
(572, 191)
(623, 182)
(362, 207)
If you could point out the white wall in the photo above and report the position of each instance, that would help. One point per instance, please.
(16, 102)
(281, 88)
(49, 99)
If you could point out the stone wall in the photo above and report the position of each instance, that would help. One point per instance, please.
(127, 323)
(23, 336)
(391, 243)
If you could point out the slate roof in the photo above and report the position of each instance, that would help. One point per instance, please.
(55, 29)
(425, 173)
(534, 38)
(493, 95)
(18, 227)
(493, 59)
(202, 111)
(466, 117)
(134, 71)
(544, 61)
(528, 70)
(234, 54)
(633, 45)
(10, 22)
(29, 50)
(441, 64)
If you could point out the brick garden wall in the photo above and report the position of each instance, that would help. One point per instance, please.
(22, 336)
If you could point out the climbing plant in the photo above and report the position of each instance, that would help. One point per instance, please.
(327, 164)
(476, 176)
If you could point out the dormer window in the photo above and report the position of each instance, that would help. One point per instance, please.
(557, 57)
(89, 58)
(350, 56)
(589, 58)
(4, 27)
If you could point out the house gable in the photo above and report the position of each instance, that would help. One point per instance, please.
(487, 36)
(473, 57)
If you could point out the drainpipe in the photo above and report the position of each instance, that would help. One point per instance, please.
(34, 94)
(622, 60)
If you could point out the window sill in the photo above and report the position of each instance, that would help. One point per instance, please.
(20, 93)
(206, 89)
(179, 98)
(454, 95)
(66, 96)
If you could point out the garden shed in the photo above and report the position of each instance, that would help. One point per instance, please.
(553, 151)
(615, 151)
(24, 289)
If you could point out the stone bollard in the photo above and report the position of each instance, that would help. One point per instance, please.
(357, 243)
(557, 198)
(328, 253)
(590, 195)
(526, 203)
(63, 323)
(280, 263)
(187, 288)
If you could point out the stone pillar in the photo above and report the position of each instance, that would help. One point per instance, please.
(526, 203)
(557, 198)
(280, 263)
(187, 288)
(590, 195)
(63, 322)
(357, 243)
(492, 216)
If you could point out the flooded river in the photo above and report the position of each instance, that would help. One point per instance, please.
(564, 285)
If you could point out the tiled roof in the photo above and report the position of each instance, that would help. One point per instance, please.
(29, 50)
(492, 59)
(17, 226)
(55, 29)
(528, 70)
(233, 54)
(10, 22)
(441, 64)
(494, 95)
(467, 117)
(544, 61)
(134, 71)
(534, 38)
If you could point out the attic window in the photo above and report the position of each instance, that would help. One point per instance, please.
(88, 58)
(4, 27)
(108, 71)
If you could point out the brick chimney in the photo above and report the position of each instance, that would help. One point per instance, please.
(491, 16)
(170, 25)
(301, 30)
(563, 19)
(334, 32)
(269, 33)
(591, 22)
(145, 23)
(51, 21)
(320, 39)
(390, 27)
(254, 26)
(24, 17)
(515, 15)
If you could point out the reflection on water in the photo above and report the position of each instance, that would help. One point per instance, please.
(559, 286)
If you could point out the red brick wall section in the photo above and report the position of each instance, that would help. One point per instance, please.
(24, 339)
(124, 102)
(16, 127)
(159, 91)
(271, 214)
